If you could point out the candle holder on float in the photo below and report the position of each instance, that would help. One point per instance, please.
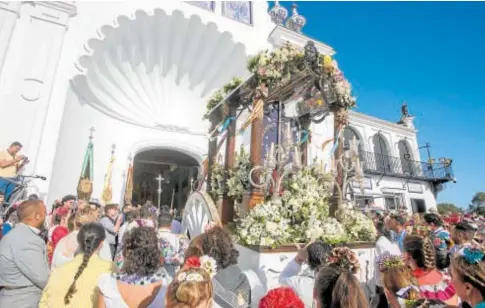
(277, 165)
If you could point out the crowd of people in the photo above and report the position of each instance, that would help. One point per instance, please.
(424, 258)
(82, 254)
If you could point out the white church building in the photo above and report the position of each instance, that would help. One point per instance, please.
(138, 74)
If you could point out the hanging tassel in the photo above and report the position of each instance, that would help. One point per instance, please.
(226, 124)
(304, 139)
(220, 128)
(256, 111)
(335, 145)
(324, 144)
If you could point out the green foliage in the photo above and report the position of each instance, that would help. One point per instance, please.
(448, 208)
(215, 99)
(478, 199)
(238, 181)
(217, 179)
(220, 94)
(480, 211)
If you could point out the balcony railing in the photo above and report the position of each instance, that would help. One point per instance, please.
(402, 167)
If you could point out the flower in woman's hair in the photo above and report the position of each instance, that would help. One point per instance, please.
(390, 261)
(209, 265)
(282, 297)
(190, 277)
(410, 303)
(344, 258)
(194, 277)
(421, 303)
(472, 254)
(437, 242)
(62, 211)
(181, 277)
(192, 262)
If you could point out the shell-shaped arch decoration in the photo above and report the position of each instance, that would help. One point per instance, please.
(200, 211)
(157, 70)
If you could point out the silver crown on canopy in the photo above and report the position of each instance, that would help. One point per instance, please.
(296, 22)
(278, 13)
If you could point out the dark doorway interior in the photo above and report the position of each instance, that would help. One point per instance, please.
(419, 205)
(177, 169)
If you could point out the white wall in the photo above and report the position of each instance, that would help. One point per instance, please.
(31, 39)
(367, 126)
(388, 185)
(73, 140)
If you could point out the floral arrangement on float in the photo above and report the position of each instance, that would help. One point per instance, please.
(302, 216)
(238, 181)
(276, 67)
(340, 86)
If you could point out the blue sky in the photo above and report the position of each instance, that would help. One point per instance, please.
(431, 54)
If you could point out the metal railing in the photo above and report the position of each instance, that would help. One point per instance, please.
(385, 164)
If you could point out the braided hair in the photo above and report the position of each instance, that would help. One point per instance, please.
(89, 238)
(470, 272)
(421, 250)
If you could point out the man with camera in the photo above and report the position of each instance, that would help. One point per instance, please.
(10, 164)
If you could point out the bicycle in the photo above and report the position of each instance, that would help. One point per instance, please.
(21, 183)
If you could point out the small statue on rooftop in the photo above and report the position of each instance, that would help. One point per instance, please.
(406, 118)
(404, 110)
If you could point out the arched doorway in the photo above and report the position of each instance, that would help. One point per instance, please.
(381, 154)
(173, 170)
(349, 134)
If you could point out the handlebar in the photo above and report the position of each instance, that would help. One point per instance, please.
(22, 177)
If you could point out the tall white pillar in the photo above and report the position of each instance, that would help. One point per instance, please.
(9, 13)
(31, 67)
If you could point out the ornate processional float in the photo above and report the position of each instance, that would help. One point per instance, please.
(274, 198)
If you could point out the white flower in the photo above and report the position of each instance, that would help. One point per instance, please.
(271, 227)
(193, 277)
(358, 226)
(209, 265)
